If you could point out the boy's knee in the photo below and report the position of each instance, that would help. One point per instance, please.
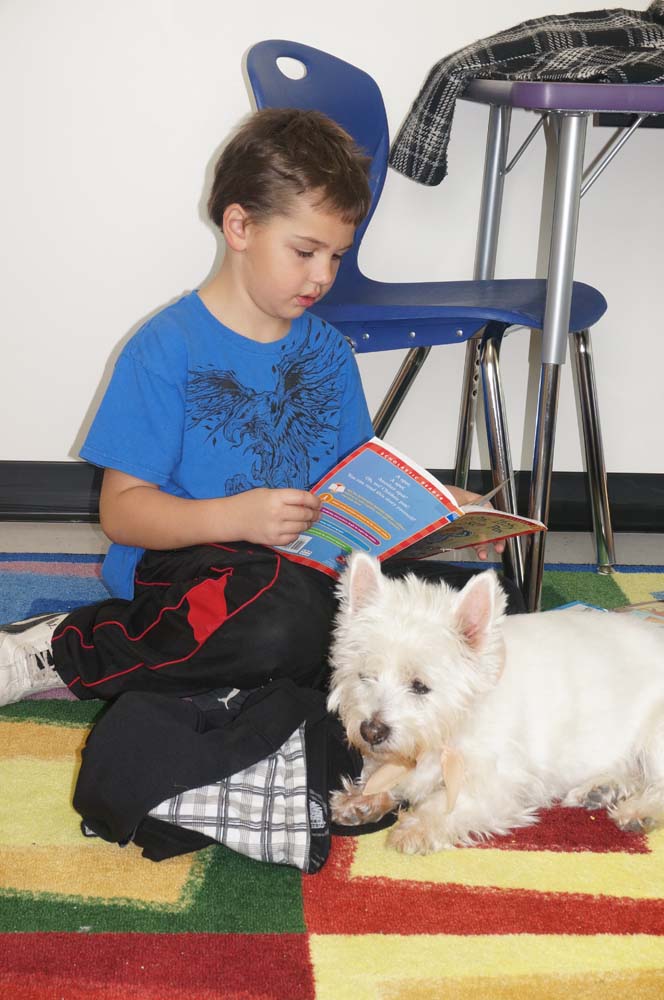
(295, 645)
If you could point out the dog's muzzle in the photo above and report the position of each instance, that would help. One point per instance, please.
(373, 731)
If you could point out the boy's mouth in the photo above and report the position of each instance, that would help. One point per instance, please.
(306, 300)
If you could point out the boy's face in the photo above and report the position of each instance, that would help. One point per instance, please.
(290, 261)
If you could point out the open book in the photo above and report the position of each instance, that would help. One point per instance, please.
(382, 503)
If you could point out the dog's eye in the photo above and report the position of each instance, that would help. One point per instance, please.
(418, 687)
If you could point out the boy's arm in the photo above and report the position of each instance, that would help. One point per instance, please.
(136, 512)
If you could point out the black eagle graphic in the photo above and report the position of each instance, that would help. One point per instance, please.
(285, 431)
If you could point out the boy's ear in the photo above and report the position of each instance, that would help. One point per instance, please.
(478, 607)
(362, 581)
(234, 226)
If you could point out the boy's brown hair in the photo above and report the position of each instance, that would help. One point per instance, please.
(279, 153)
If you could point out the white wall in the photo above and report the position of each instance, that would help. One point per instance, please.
(111, 115)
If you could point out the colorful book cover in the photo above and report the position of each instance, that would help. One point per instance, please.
(378, 501)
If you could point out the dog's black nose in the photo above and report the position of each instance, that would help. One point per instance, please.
(374, 732)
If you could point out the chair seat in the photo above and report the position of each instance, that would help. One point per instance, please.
(446, 312)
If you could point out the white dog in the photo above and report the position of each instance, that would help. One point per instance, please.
(478, 720)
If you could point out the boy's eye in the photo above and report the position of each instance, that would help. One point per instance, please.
(419, 687)
(304, 253)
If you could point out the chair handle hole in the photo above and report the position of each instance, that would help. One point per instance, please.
(292, 68)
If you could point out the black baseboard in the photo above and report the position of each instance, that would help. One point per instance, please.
(69, 491)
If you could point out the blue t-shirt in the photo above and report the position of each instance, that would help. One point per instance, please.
(203, 412)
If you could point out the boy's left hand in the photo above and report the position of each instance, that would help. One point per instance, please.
(463, 497)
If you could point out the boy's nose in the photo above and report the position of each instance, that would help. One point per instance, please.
(322, 273)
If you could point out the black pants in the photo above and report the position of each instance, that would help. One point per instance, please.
(211, 616)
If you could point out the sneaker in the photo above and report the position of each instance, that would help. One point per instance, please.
(26, 660)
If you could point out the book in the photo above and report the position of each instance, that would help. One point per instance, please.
(378, 501)
(649, 611)
(578, 606)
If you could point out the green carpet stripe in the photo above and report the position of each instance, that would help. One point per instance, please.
(561, 586)
(227, 894)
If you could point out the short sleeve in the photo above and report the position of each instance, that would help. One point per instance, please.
(355, 425)
(139, 425)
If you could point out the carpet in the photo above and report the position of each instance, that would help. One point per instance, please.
(568, 908)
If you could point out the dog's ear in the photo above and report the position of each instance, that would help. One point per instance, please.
(477, 607)
(362, 580)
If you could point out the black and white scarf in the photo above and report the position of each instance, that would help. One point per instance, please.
(599, 46)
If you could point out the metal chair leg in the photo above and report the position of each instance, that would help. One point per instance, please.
(584, 374)
(467, 412)
(399, 389)
(540, 482)
(499, 445)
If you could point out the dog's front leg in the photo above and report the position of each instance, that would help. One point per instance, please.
(432, 826)
(351, 807)
(424, 828)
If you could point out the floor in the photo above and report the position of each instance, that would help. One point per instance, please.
(561, 547)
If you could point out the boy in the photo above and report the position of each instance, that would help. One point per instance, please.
(222, 411)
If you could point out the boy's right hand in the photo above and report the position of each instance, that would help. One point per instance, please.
(276, 517)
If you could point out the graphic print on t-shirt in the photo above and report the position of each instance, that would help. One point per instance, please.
(286, 430)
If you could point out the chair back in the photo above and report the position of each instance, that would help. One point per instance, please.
(338, 89)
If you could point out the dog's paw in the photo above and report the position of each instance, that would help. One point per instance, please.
(632, 815)
(412, 835)
(349, 807)
(593, 797)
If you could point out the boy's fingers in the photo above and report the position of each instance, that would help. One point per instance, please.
(301, 498)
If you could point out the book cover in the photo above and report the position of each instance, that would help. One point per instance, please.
(378, 501)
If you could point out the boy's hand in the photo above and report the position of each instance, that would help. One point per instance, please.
(463, 497)
(276, 517)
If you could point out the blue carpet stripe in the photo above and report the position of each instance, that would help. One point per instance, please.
(83, 557)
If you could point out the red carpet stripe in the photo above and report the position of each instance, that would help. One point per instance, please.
(336, 903)
(156, 966)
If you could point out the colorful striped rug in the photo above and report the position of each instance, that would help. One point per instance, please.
(569, 908)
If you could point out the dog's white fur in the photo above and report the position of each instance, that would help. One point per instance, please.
(560, 705)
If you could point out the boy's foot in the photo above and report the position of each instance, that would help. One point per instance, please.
(26, 660)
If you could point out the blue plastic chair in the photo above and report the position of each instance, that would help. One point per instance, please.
(386, 316)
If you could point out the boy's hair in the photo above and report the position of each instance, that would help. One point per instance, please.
(279, 153)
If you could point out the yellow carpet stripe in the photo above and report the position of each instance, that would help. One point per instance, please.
(42, 850)
(373, 967)
(34, 739)
(96, 870)
(637, 876)
(638, 587)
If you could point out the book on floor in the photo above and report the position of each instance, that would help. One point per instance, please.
(378, 501)
(649, 611)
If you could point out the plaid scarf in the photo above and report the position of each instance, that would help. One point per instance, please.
(264, 811)
(599, 46)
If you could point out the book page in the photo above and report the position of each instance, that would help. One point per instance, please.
(475, 527)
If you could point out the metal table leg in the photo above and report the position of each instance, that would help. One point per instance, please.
(571, 145)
